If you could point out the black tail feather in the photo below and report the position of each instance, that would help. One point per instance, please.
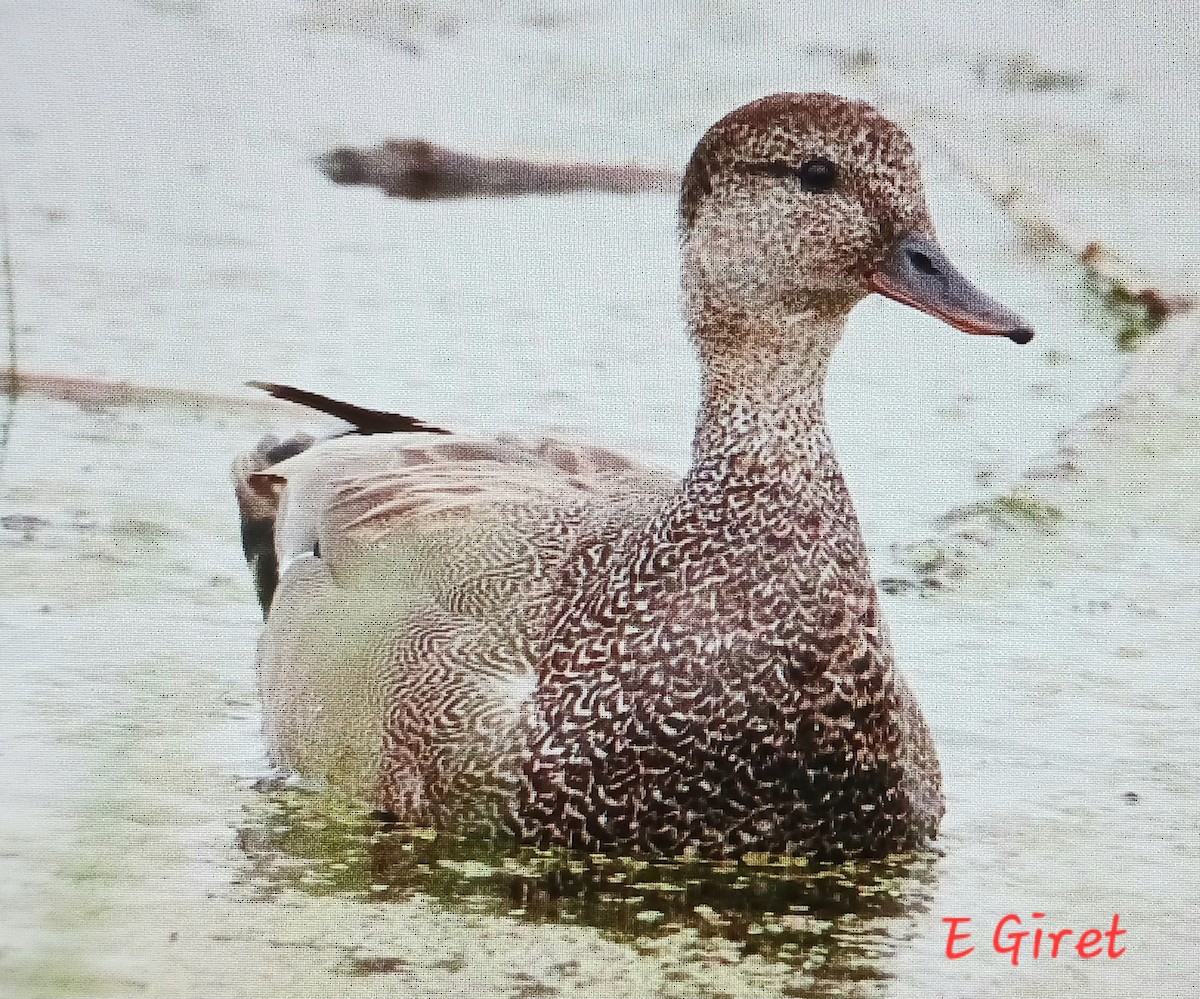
(364, 421)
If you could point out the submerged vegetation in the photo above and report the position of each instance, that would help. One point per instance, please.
(1024, 73)
(1011, 512)
(934, 562)
(1134, 315)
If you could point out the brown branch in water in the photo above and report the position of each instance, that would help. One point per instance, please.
(84, 391)
(12, 382)
(420, 170)
(99, 392)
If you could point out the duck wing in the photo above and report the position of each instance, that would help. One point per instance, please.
(401, 642)
(354, 496)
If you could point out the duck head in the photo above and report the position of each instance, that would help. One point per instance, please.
(795, 207)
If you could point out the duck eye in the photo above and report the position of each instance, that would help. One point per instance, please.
(817, 175)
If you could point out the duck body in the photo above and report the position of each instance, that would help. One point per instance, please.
(745, 686)
(631, 670)
(557, 642)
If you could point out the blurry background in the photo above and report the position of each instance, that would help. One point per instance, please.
(1030, 510)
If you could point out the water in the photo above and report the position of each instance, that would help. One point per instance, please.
(168, 229)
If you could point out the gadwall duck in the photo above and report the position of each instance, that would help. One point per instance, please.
(555, 641)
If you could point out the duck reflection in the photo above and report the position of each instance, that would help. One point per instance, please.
(839, 924)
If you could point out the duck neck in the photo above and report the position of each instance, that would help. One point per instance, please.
(762, 415)
(765, 488)
(764, 510)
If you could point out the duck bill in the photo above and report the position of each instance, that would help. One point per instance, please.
(917, 272)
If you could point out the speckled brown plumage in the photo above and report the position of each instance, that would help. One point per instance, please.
(556, 641)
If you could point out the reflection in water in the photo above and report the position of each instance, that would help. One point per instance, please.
(837, 925)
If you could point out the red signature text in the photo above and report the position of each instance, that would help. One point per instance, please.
(1034, 940)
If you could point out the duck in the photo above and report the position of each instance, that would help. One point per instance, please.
(553, 642)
